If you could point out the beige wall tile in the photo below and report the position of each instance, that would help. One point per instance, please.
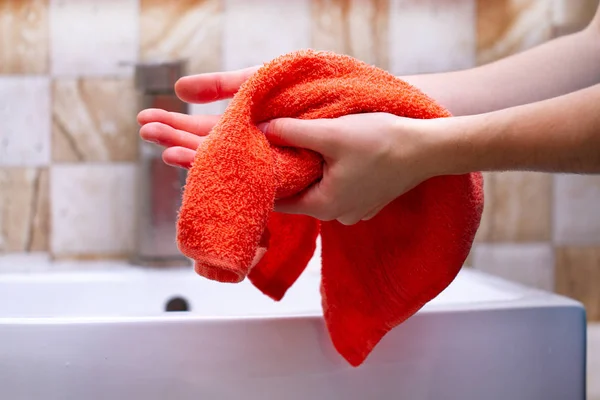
(25, 116)
(518, 207)
(24, 33)
(573, 15)
(505, 27)
(358, 28)
(578, 276)
(529, 264)
(431, 35)
(188, 29)
(576, 210)
(214, 108)
(93, 119)
(93, 37)
(24, 209)
(259, 30)
(93, 209)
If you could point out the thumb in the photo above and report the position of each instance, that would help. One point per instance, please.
(312, 202)
(311, 134)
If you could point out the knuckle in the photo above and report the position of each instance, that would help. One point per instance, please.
(368, 217)
(277, 128)
(219, 86)
(325, 212)
(348, 220)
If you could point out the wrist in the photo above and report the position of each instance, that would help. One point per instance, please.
(457, 145)
(433, 147)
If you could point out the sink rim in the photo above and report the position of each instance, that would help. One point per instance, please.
(528, 297)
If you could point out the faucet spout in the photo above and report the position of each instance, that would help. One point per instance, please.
(159, 185)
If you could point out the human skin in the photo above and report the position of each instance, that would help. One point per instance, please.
(538, 110)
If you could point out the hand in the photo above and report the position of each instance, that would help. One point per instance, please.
(181, 134)
(370, 159)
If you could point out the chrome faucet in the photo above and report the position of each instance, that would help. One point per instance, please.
(159, 185)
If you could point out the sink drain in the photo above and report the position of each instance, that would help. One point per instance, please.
(177, 304)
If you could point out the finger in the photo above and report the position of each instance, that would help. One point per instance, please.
(196, 124)
(309, 134)
(167, 136)
(179, 157)
(205, 88)
(312, 202)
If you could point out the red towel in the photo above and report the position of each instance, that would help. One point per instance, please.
(376, 273)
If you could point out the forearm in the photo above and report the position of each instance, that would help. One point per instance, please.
(556, 135)
(552, 69)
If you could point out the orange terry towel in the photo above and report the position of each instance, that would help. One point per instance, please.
(376, 273)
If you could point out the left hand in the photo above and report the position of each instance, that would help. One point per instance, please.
(181, 134)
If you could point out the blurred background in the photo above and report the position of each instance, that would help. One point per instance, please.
(70, 154)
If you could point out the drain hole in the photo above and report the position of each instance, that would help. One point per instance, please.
(177, 304)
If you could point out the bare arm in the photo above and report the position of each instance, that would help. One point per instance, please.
(561, 134)
(552, 69)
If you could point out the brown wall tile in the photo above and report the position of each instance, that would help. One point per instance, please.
(358, 28)
(517, 207)
(578, 276)
(40, 237)
(190, 29)
(505, 27)
(576, 210)
(24, 36)
(24, 209)
(93, 119)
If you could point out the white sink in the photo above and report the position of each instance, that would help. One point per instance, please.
(104, 334)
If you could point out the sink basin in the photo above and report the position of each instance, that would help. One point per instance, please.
(116, 331)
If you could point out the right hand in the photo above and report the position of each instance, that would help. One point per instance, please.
(181, 134)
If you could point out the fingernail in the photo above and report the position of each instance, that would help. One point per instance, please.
(263, 126)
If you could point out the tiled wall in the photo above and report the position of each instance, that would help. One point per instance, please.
(68, 137)
(539, 229)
